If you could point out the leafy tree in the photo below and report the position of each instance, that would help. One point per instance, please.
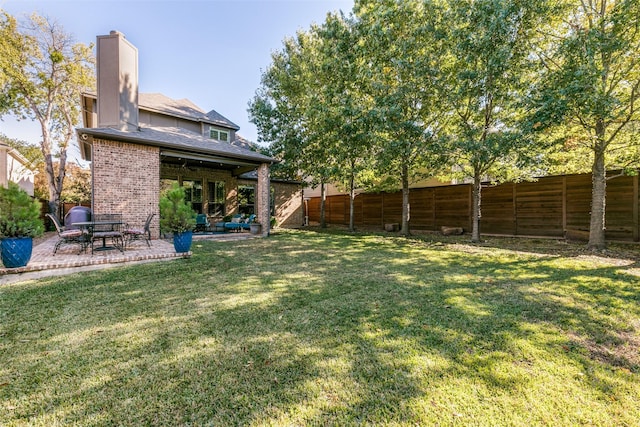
(43, 76)
(13, 51)
(590, 90)
(77, 185)
(404, 46)
(343, 113)
(489, 75)
(281, 112)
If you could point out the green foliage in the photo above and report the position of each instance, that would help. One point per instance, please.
(403, 49)
(42, 74)
(13, 50)
(19, 213)
(483, 89)
(282, 111)
(77, 184)
(176, 216)
(489, 75)
(588, 93)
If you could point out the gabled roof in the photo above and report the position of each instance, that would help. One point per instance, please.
(219, 119)
(174, 107)
(182, 108)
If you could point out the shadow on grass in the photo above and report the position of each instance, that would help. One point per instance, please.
(309, 328)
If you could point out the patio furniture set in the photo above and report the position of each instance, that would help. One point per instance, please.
(239, 222)
(83, 228)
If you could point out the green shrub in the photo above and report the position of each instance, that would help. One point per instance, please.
(19, 213)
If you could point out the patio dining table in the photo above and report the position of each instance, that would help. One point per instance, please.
(89, 227)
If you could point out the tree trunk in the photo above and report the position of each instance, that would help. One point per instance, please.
(352, 196)
(323, 199)
(476, 212)
(406, 208)
(598, 197)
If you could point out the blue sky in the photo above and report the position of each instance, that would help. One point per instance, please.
(209, 51)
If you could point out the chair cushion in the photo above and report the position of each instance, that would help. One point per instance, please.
(134, 231)
(70, 234)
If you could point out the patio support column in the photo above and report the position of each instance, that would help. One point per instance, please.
(263, 199)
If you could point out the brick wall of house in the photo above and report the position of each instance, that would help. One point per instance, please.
(289, 204)
(289, 211)
(126, 179)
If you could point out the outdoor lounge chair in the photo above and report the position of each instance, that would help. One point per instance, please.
(69, 236)
(202, 223)
(133, 233)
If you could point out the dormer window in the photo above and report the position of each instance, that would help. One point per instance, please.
(220, 135)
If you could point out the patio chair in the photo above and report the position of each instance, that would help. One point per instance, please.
(202, 223)
(68, 236)
(133, 233)
(107, 226)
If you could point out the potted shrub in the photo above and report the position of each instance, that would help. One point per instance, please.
(177, 217)
(19, 223)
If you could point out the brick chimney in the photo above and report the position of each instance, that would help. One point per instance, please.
(117, 69)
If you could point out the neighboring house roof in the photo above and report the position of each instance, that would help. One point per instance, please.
(16, 155)
(176, 139)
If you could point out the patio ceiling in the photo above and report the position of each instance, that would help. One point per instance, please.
(187, 159)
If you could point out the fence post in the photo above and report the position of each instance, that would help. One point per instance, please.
(636, 233)
(433, 204)
(564, 204)
(514, 196)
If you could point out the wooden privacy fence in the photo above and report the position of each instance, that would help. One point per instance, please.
(547, 207)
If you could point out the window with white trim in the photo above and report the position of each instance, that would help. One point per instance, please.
(220, 135)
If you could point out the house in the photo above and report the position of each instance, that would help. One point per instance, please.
(140, 143)
(15, 168)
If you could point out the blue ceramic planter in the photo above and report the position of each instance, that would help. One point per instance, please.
(182, 241)
(16, 251)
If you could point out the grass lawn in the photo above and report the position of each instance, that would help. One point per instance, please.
(307, 328)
